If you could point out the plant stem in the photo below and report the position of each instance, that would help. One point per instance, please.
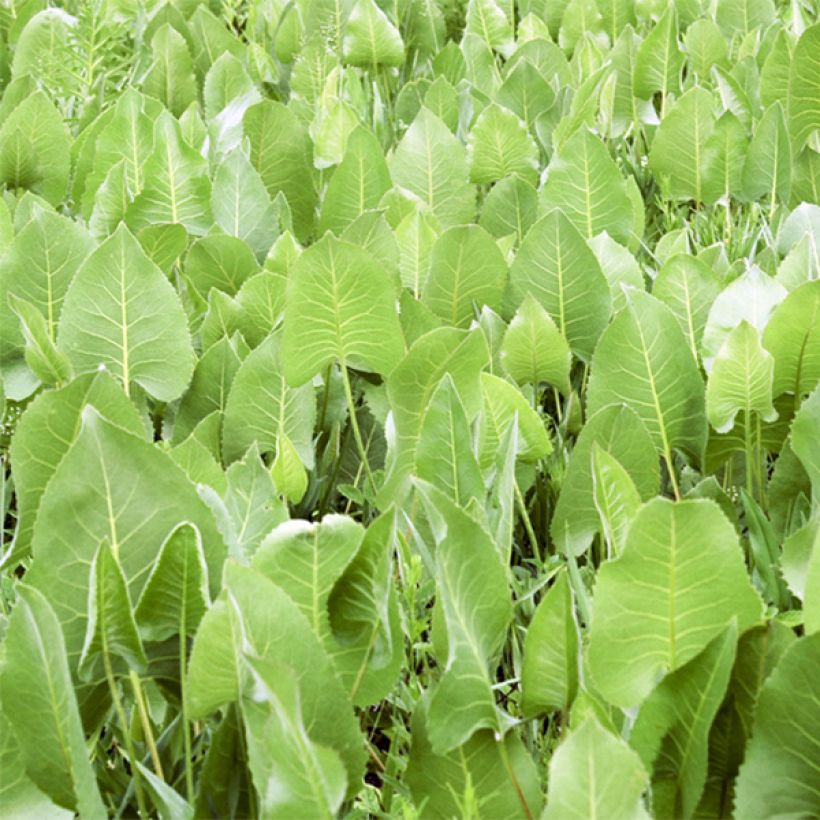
(502, 750)
(522, 509)
(670, 468)
(142, 710)
(186, 723)
(749, 452)
(129, 744)
(354, 424)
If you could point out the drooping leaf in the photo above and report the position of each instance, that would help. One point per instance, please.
(678, 583)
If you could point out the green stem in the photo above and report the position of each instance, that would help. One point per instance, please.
(502, 750)
(749, 452)
(142, 710)
(670, 468)
(129, 744)
(354, 424)
(525, 517)
(186, 723)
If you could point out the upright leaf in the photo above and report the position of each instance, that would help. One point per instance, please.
(171, 75)
(370, 39)
(499, 145)
(122, 312)
(804, 88)
(39, 702)
(680, 580)
(340, 307)
(557, 267)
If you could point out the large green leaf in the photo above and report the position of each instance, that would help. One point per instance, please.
(256, 617)
(282, 153)
(643, 361)
(171, 75)
(780, 772)
(671, 731)
(680, 580)
(430, 164)
(462, 354)
(176, 187)
(131, 494)
(34, 148)
(261, 405)
(549, 673)
(357, 185)
(44, 435)
(741, 380)
(768, 167)
(39, 702)
(467, 271)
(557, 267)
(584, 183)
(593, 773)
(370, 39)
(804, 88)
(121, 312)
(619, 431)
(341, 306)
(38, 267)
(500, 145)
(659, 61)
(474, 600)
(497, 774)
(310, 779)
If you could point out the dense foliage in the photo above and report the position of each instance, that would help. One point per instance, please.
(410, 408)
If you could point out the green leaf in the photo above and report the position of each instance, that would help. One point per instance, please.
(680, 580)
(340, 307)
(688, 287)
(430, 163)
(743, 16)
(493, 777)
(249, 508)
(741, 380)
(779, 774)
(111, 632)
(768, 167)
(804, 89)
(47, 363)
(549, 672)
(261, 405)
(133, 495)
(39, 703)
(306, 560)
(176, 595)
(475, 607)
(533, 349)
(500, 145)
(643, 361)
(282, 153)
(659, 60)
(467, 271)
(368, 645)
(34, 149)
(804, 440)
(491, 22)
(557, 267)
(370, 39)
(511, 207)
(357, 185)
(792, 336)
(44, 435)
(168, 803)
(616, 499)
(122, 312)
(682, 157)
(594, 773)
(288, 473)
(462, 354)
(219, 261)
(240, 203)
(38, 268)
(171, 76)
(310, 779)
(256, 617)
(671, 731)
(176, 187)
(619, 431)
(584, 183)
(619, 267)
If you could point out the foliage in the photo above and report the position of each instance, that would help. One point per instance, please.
(409, 408)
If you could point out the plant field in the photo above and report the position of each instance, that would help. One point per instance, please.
(410, 408)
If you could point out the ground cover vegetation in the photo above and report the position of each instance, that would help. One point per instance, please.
(410, 408)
